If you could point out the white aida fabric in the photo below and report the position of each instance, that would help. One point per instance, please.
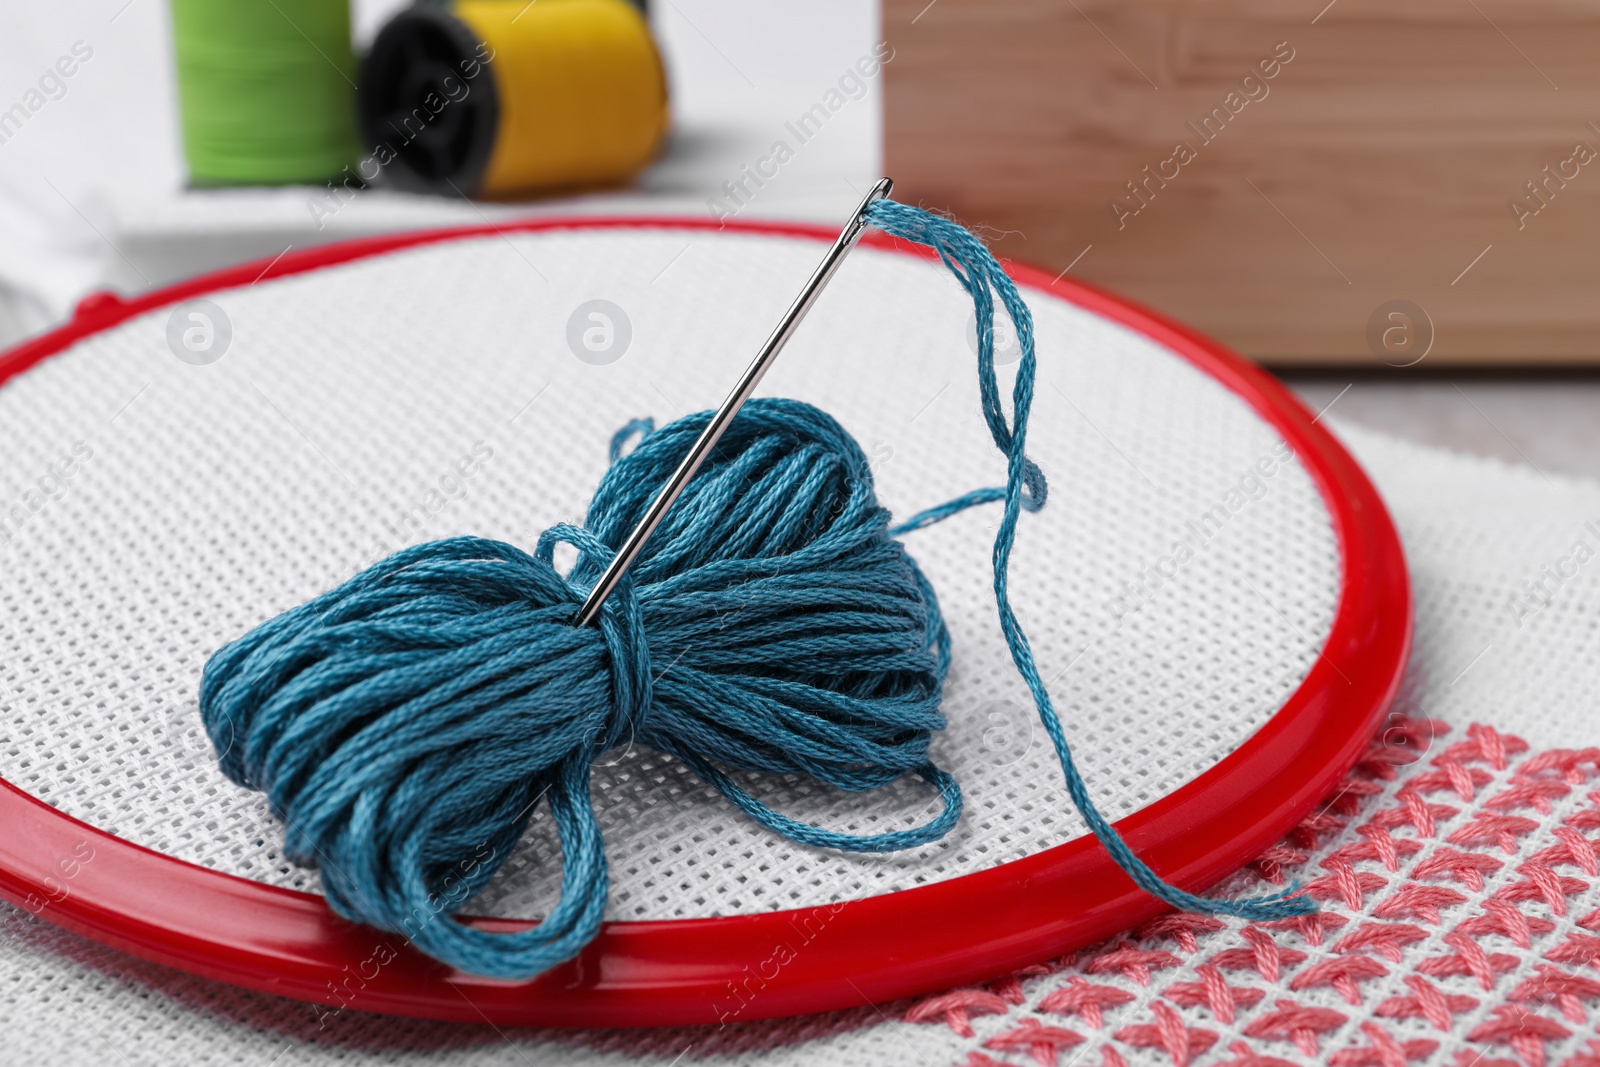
(440, 390)
(1456, 870)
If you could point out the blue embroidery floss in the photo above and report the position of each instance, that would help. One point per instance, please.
(406, 724)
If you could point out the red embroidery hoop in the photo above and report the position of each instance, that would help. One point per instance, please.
(680, 972)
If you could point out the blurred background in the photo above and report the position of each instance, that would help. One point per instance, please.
(1388, 202)
(96, 189)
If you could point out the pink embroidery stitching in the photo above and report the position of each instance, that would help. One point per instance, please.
(1407, 937)
(1169, 1034)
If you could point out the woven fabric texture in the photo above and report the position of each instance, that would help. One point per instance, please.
(440, 391)
(1456, 868)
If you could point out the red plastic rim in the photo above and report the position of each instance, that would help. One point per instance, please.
(716, 970)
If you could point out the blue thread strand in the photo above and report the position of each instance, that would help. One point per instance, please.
(969, 260)
(406, 724)
(943, 511)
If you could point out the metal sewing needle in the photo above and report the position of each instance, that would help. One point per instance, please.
(730, 407)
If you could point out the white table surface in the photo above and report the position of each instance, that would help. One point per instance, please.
(1549, 422)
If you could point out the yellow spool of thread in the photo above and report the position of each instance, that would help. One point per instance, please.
(501, 98)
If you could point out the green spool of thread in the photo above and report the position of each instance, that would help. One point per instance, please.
(266, 89)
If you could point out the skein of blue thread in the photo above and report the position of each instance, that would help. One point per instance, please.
(405, 724)
(415, 716)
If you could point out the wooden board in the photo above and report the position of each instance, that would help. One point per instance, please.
(1379, 163)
